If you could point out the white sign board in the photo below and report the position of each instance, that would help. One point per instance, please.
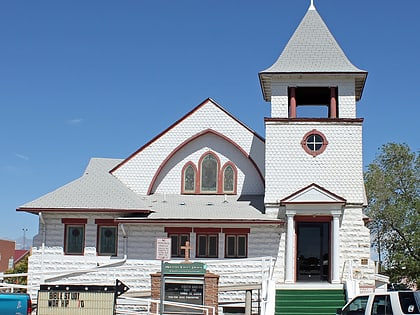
(56, 303)
(163, 249)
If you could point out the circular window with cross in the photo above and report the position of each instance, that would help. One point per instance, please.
(314, 142)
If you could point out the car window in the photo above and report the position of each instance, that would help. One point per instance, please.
(381, 305)
(356, 307)
(408, 302)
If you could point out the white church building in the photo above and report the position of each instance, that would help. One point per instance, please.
(279, 213)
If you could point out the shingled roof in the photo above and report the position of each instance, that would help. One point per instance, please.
(312, 49)
(96, 190)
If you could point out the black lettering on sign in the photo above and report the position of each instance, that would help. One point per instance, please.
(52, 303)
(53, 295)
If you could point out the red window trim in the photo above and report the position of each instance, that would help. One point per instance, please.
(107, 222)
(309, 219)
(236, 231)
(207, 230)
(305, 147)
(222, 178)
(200, 162)
(178, 230)
(196, 183)
(73, 221)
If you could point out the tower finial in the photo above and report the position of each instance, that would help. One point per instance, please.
(312, 6)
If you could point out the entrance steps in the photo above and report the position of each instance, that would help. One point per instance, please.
(308, 301)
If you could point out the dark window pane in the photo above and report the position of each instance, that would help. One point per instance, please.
(230, 243)
(212, 246)
(228, 179)
(174, 245)
(189, 179)
(314, 142)
(209, 174)
(178, 240)
(75, 239)
(241, 246)
(381, 305)
(358, 305)
(108, 240)
(202, 246)
(183, 240)
(408, 302)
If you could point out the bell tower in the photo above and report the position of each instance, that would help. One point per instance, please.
(314, 166)
(313, 135)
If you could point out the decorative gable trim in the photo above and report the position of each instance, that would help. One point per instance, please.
(180, 121)
(313, 194)
(186, 142)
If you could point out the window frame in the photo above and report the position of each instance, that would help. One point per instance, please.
(180, 253)
(208, 234)
(236, 233)
(99, 237)
(219, 180)
(74, 223)
(183, 181)
(381, 300)
(179, 232)
(235, 178)
(106, 223)
(208, 238)
(217, 171)
(305, 146)
(359, 302)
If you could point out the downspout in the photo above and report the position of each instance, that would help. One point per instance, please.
(44, 234)
(125, 236)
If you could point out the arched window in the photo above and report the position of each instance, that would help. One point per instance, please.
(209, 174)
(209, 177)
(189, 175)
(228, 179)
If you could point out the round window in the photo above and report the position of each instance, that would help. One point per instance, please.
(314, 142)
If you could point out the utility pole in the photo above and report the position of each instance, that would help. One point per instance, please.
(24, 237)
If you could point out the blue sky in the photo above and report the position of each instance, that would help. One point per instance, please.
(82, 79)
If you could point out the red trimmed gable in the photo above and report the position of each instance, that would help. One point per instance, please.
(321, 195)
(177, 123)
(145, 169)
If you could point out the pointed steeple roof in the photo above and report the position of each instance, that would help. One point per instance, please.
(312, 49)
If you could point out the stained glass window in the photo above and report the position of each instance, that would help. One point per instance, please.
(209, 174)
(228, 179)
(75, 237)
(189, 179)
(107, 240)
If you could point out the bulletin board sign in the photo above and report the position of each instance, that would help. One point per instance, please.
(78, 299)
(184, 290)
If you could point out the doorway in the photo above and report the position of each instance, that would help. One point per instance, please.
(313, 251)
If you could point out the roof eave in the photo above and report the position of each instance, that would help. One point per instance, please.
(199, 221)
(266, 76)
(82, 210)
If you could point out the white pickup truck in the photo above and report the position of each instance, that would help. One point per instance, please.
(384, 303)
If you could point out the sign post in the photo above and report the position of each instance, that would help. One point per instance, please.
(163, 252)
